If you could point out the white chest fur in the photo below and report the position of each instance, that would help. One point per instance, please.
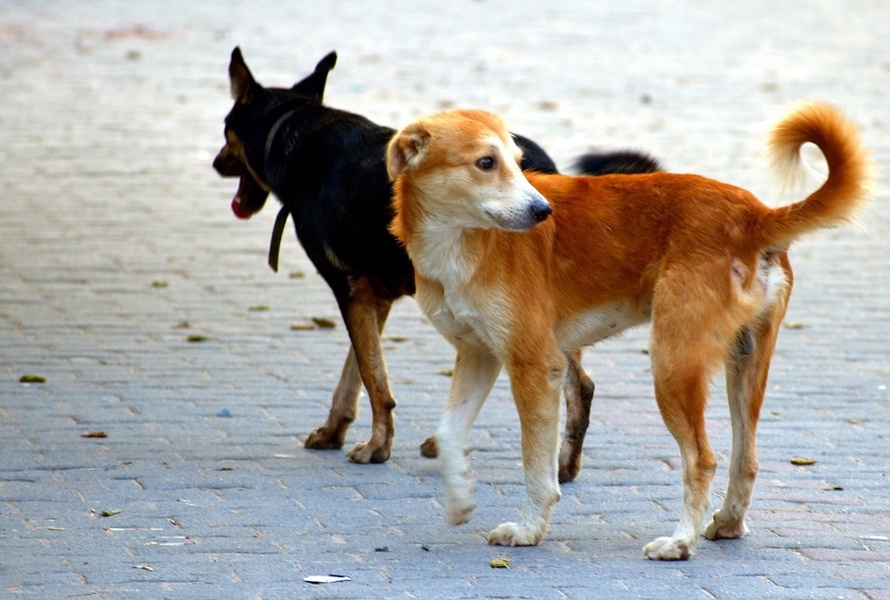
(446, 291)
(454, 317)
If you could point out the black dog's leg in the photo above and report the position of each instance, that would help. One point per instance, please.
(344, 408)
(429, 448)
(365, 315)
(578, 391)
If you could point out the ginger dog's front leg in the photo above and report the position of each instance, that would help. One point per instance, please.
(536, 388)
(475, 371)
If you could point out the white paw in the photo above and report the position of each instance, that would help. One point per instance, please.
(666, 548)
(717, 530)
(460, 502)
(512, 534)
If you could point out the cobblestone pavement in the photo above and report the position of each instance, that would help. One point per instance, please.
(117, 244)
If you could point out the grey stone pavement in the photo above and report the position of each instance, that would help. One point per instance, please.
(117, 244)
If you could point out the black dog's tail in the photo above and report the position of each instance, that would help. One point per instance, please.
(624, 162)
(533, 156)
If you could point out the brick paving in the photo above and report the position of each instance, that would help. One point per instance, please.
(117, 244)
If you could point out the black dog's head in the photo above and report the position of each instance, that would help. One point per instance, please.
(250, 124)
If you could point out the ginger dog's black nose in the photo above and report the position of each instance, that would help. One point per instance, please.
(540, 210)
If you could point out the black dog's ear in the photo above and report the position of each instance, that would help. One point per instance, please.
(313, 85)
(240, 78)
(406, 149)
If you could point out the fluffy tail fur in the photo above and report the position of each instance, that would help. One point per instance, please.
(623, 162)
(849, 172)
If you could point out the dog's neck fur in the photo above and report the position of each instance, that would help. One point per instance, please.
(445, 253)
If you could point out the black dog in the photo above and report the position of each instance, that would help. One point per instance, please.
(327, 168)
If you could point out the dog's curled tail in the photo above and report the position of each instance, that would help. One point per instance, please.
(849, 172)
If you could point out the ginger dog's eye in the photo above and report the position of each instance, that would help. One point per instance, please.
(486, 163)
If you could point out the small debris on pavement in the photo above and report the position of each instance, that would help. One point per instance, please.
(94, 434)
(500, 562)
(32, 379)
(326, 579)
(802, 461)
(324, 323)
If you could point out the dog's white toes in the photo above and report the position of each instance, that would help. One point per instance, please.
(725, 530)
(666, 548)
(511, 534)
(460, 502)
(460, 516)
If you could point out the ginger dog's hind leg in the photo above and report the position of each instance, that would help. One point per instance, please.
(682, 396)
(747, 368)
(690, 337)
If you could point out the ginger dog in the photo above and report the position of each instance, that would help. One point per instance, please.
(516, 271)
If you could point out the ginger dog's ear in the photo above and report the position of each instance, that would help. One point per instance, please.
(406, 149)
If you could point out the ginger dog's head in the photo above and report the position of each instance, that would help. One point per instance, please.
(461, 168)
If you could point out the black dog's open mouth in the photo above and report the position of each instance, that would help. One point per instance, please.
(237, 207)
(249, 198)
(241, 214)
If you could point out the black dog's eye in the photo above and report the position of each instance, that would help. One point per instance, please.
(486, 163)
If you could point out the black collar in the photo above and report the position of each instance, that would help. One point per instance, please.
(281, 219)
(275, 243)
(273, 131)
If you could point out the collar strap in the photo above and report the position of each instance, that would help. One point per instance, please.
(273, 131)
(275, 243)
(281, 219)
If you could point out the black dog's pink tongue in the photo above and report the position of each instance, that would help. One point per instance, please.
(236, 208)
